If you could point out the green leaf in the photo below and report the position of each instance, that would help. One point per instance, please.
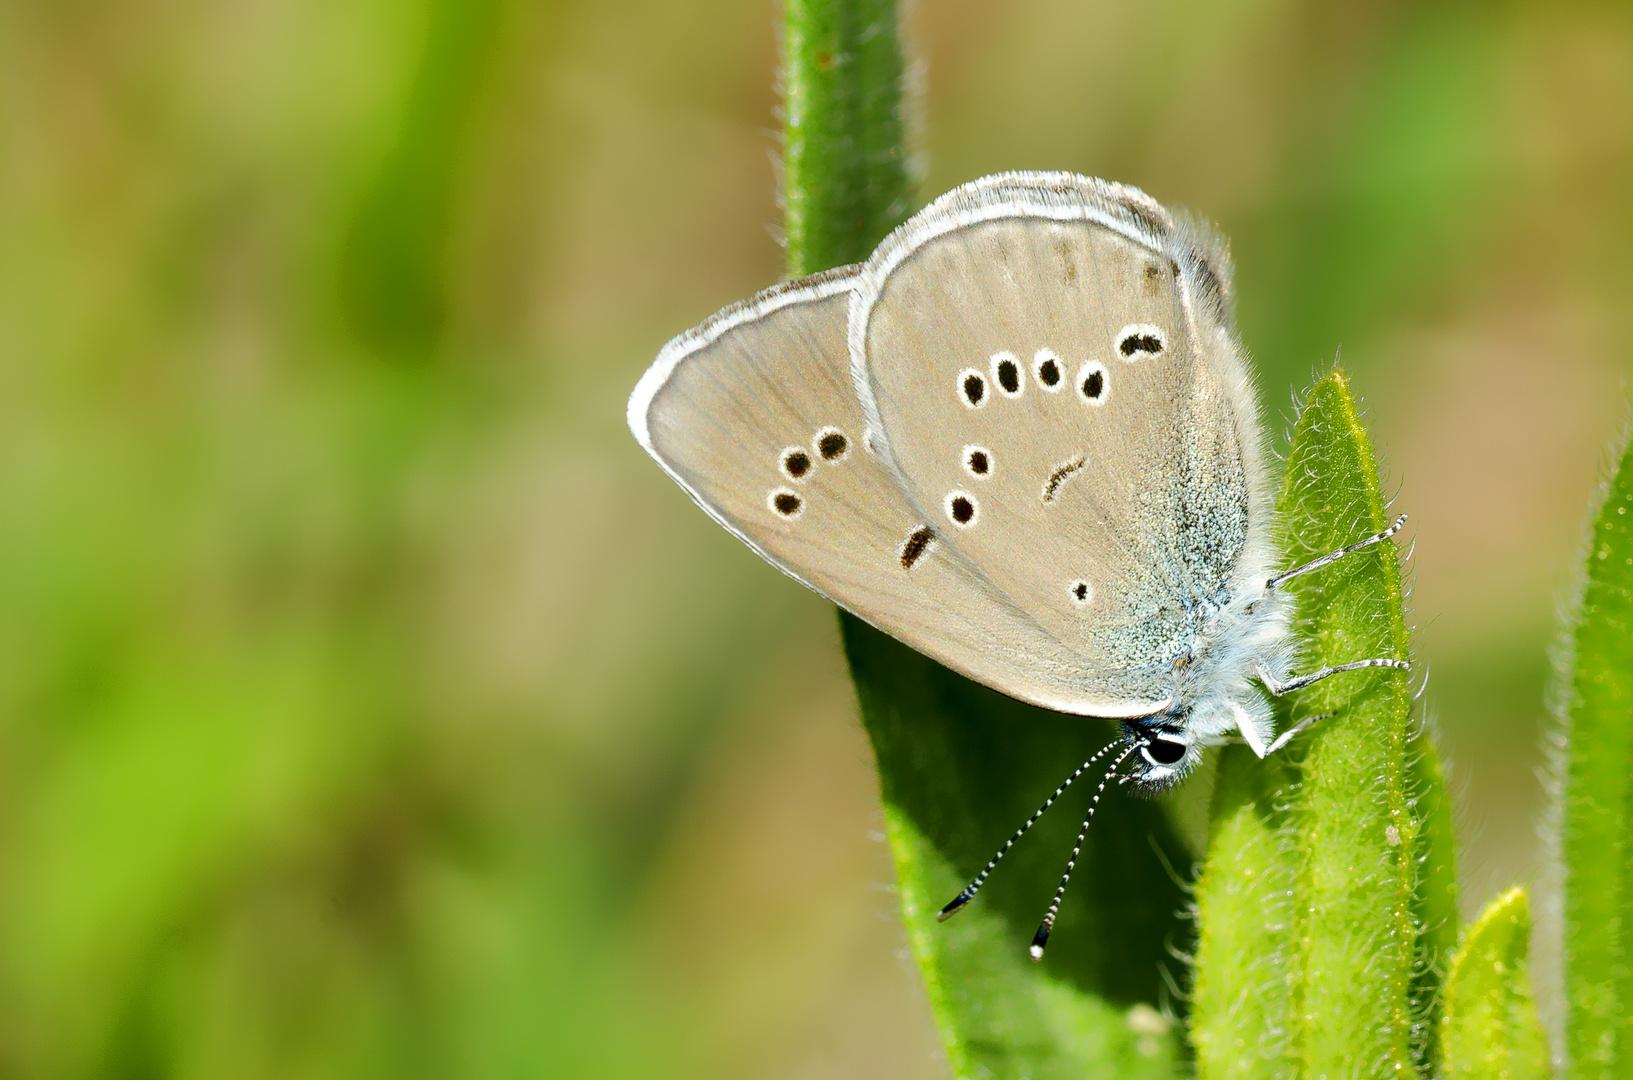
(1328, 900)
(1491, 1030)
(960, 767)
(1242, 1000)
(1598, 784)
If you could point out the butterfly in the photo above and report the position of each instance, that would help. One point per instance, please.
(1023, 438)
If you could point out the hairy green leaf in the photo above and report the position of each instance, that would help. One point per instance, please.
(1328, 901)
(1491, 1030)
(1598, 784)
(960, 767)
(1242, 1003)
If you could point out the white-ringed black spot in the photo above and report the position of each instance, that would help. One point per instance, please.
(832, 444)
(917, 543)
(962, 509)
(1093, 382)
(785, 503)
(972, 388)
(796, 463)
(978, 461)
(1046, 369)
(1140, 338)
(1006, 372)
(1082, 593)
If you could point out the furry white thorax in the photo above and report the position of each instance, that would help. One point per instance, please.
(1216, 693)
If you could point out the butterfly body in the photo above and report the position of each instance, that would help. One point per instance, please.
(1022, 438)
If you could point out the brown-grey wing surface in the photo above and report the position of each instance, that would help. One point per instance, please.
(1049, 372)
(755, 415)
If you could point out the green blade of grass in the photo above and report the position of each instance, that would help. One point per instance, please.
(1353, 833)
(960, 766)
(1491, 1030)
(1598, 784)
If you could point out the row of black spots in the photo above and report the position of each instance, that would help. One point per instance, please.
(829, 444)
(1047, 370)
(917, 543)
(1140, 339)
(978, 461)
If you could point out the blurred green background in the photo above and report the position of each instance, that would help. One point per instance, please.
(371, 706)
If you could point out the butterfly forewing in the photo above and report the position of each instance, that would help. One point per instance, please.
(1052, 329)
(755, 414)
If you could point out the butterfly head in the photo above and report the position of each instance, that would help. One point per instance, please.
(1165, 751)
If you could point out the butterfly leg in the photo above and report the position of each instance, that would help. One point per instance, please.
(1332, 557)
(1280, 740)
(1299, 682)
(1287, 736)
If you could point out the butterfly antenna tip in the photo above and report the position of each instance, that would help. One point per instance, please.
(955, 907)
(1039, 940)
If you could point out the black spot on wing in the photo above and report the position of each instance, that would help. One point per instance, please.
(796, 463)
(1062, 473)
(832, 444)
(1140, 342)
(973, 386)
(1009, 376)
(916, 544)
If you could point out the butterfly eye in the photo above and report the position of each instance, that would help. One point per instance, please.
(1046, 368)
(1161, 751)
(972, 388)
(1139, 338)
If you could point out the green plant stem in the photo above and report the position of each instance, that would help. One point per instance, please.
(844, 165)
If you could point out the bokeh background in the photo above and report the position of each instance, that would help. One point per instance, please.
(370, 705)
